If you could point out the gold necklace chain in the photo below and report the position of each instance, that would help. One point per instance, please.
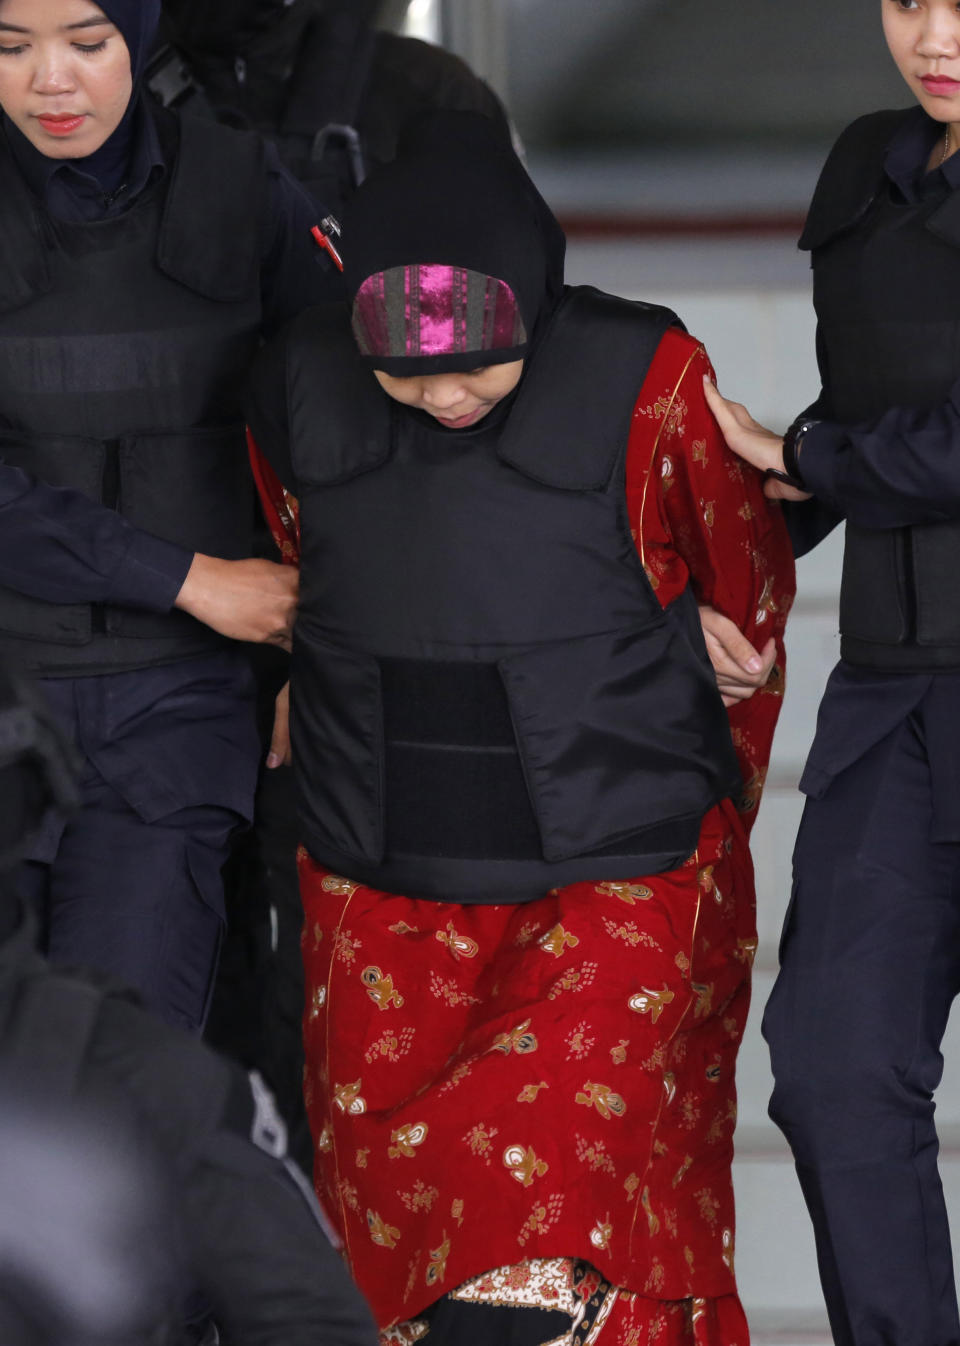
(947, 147)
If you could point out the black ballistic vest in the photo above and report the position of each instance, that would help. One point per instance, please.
(887, 296)
(489, 700)
(124, 347)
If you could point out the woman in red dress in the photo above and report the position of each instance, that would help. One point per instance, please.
(521, 1090)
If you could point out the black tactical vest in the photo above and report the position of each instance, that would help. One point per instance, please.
(489, 700)
(887, 296)
(124, 347)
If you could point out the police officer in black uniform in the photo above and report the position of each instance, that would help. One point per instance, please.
(145, 256)
(871, 947)
(331, 92)
(119, 1128)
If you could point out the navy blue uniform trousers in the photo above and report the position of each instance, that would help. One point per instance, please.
(870, 966)
(131, 884)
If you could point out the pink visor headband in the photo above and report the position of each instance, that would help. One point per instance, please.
(410, 319)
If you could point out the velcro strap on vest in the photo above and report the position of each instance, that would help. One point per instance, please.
(453, 774)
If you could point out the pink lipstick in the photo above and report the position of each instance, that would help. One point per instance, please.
(61, 125)
(940, 85)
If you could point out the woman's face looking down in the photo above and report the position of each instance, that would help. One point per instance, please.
(924, 41)
(65, 76)
(455, 400)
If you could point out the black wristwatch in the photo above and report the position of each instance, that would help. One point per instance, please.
(792, 444)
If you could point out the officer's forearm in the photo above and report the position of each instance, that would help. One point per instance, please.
(61, 547)
(902, 469)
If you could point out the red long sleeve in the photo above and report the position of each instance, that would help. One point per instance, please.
(699, 515)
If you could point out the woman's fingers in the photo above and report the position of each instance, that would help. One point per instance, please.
(740, 669)
(725, 640)
(745, 436)
(279, 754)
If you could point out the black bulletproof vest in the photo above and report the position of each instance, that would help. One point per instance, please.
(887, 296)
(489, 700)
(124, 346)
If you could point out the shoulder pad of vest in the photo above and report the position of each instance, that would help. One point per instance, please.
(851, 177)
(211, 230)
(26, 270)
(572, 417)
(339, 417)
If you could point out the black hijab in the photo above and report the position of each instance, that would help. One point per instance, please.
(137, 20)
(457, 195)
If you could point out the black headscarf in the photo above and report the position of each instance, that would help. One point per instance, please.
(137, 21)
(457, 195)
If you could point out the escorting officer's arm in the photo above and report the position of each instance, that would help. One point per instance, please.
(252, 600)
(810, 521)
(61, 547)
(899, 470)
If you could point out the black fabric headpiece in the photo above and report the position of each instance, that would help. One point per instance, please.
(138, 21)
(457, 196)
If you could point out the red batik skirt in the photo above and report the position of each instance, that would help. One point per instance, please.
(491, 1085)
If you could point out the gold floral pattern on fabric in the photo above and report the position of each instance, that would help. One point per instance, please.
(380, 989)
(406, 1140)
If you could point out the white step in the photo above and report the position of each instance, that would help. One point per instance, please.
(776, 1261)
(772, 846)
(798, 1328)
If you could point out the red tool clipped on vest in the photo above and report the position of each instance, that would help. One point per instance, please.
(322, 231)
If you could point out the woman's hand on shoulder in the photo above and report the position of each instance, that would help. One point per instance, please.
(751, 441)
